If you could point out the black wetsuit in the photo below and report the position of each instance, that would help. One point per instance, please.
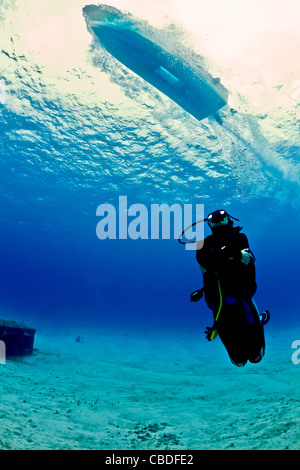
(238, 324)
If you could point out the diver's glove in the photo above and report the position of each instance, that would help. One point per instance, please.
(247, 256)
(211, 333)
(197, 295)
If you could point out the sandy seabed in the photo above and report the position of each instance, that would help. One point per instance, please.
(125, 389)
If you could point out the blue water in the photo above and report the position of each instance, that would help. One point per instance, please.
(79, 131)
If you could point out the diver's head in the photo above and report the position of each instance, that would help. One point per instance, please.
(219, 221)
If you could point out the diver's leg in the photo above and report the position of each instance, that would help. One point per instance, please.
(236, 352)
(257, 343)
(255, 337)
(255, 358)
(231, 332)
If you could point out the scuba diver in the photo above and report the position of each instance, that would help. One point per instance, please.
(228, 269)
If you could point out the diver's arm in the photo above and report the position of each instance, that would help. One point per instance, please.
(243, 253)
(204, 257)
